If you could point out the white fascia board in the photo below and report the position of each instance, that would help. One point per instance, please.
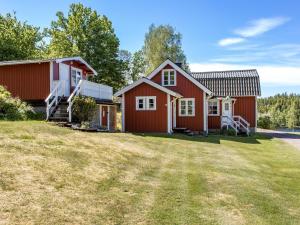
(153, 84)
(185, 74)
(77, 58)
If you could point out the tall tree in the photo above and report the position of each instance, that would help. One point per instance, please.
(125, 59)
(87, 34)
(138, 65)
(292, 116)
(163, 42)
(18, 40)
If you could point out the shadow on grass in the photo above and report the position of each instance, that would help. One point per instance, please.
(212, 138)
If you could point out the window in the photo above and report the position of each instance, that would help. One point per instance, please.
(226, 106)
(76, 76)
(213, 107)
(146, 103)
(169, 77)
(187, 107)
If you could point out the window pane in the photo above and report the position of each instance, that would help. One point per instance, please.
(226, 106)
(151, 103)
(190, 107)
(141, 103)
(166, 78)
(73, 77)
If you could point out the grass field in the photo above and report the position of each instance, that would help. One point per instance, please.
(52, 175)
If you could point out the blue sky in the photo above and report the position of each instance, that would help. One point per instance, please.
(217, 35)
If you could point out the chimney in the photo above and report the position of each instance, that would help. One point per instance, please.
(179, 64)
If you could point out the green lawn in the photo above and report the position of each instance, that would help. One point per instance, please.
(52, 175)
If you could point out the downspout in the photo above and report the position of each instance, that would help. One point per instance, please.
(206, 112)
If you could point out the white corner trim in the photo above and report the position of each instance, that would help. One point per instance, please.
(169, 117)
(51, 76)
(205, 112)
(153, 84)
(123, 112)
(185, 74)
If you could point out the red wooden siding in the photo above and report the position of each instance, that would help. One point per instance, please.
(188, 90)
(27, 81)
(147, 120)
(245, 107)
(214, 122)
(55, 71)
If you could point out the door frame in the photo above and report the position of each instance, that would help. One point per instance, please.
(228, 101)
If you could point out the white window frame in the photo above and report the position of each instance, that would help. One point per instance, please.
(78, 77)
(169, 76)
(218, 107)
(146, 103)
(186, 100)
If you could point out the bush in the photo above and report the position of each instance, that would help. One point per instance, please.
(229, 132)
(264, 122)
(84, 108)
(13, 108)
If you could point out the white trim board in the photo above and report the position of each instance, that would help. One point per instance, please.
(77, 58)
(151, 83)
(185, 74)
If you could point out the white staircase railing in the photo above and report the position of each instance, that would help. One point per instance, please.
(91, 89)
(53, 97)
(228, 121)
(76, 92)
(242, 123)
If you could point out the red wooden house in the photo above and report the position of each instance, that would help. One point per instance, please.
(170, 99)
(50, 85)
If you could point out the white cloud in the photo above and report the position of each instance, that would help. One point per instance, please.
(261, 26)
(269, 74)
(230, 41)
(287, 54)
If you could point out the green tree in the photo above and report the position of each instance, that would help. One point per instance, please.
(138, 65)
(18, 40)
(125, 59)
(163, 42)
(292, 116)
(87, 34)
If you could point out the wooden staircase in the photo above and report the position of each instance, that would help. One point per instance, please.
(59, 113)
(238, 123)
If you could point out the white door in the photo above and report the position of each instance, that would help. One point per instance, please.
(64, 75)
(227, 107)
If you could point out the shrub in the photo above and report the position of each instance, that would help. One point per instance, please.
(13, 108)
(84, 108)
(229, 132)
(264, 122)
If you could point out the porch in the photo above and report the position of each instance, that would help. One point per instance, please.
(59, 105)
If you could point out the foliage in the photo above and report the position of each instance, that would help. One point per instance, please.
(134, 65)
(161, 43)
(283, 110)
(83, 32)
(264, 122)
(18, 40)
(229, 132)
(84, 108)
(13, 108)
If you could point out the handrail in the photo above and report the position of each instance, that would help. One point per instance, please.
(54, 93)
(233, 123)
(244, 123)
(76, 91)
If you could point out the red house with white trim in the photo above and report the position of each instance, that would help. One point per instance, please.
(171, 99)
(50, 85)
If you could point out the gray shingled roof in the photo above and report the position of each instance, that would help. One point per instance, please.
(230, 83)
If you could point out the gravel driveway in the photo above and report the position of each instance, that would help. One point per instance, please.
(290, 138)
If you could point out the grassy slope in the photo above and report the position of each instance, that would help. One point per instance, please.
(52, 175)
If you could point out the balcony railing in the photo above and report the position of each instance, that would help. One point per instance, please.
(91, 89)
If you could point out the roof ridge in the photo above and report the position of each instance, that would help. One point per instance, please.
(221, 71)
